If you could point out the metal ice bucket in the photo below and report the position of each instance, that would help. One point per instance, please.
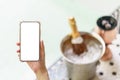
(81, 71)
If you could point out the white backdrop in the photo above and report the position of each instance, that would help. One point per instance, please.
(53, 15)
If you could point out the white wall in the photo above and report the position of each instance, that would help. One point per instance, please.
(53, 16)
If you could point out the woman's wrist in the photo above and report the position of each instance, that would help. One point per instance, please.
(108, 54)
(42, 75)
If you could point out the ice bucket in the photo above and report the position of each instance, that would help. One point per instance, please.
(85, 70)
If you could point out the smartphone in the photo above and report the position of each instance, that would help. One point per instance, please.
(29, 40)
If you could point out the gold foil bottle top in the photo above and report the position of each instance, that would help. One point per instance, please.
(75, 32)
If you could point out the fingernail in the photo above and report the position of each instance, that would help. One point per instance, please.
(18, 44)
(41, 42)
(18, 51)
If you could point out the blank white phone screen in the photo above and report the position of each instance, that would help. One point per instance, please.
(29, 41)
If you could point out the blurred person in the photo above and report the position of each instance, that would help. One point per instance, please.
(109, 67)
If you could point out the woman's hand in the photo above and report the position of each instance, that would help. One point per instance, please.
(38, 67)
(107, 55)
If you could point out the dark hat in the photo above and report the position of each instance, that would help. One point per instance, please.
(107, 22)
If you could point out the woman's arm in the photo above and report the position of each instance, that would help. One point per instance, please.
(39, 67)
(42, 76)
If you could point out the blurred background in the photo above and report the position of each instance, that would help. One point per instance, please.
(53, 16)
